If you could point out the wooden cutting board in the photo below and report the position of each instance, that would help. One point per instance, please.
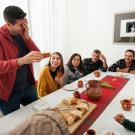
(74, 127)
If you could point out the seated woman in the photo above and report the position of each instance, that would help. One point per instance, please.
(73, 69)
(130, 125)
(51, 76)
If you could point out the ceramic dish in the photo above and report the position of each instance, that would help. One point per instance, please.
(40, 105)
(70, 87)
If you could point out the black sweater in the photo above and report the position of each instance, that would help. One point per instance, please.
(129, 125)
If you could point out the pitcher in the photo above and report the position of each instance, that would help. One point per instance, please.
(93, 90)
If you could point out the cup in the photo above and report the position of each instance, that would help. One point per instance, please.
(126, 104)
(97, 73)
(80, 84)
(91, 132)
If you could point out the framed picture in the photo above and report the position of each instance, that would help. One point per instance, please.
(124, 27)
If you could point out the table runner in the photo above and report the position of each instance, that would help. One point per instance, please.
(107, 96)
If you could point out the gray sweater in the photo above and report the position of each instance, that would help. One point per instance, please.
(69, 76)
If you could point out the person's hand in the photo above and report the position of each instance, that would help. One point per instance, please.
(110, 133)
(59, 80)
(119, 118)
(33, 56)
(102, 57)
(125, 70)
(25, 32)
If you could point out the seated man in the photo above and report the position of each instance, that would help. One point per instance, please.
(130, 125)
(126, 65)
(98, 61)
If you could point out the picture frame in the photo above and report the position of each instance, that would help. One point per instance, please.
(124, 27)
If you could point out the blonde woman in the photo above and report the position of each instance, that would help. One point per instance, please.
(51, 76)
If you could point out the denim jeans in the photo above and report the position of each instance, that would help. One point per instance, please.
(19, 96)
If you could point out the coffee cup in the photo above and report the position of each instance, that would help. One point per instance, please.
(80, 84)
(97, 73)
(126, 104)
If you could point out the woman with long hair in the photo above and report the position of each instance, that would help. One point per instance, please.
(73, 69)
(51, 76)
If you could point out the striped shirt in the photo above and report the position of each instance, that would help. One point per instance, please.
(121, 64)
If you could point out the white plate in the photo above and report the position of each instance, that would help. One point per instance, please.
(70, 87)
(120, 74)
(40, 105)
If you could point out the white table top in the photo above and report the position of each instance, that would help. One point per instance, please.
(105, 120)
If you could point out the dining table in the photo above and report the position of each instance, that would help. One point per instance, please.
(102, 122)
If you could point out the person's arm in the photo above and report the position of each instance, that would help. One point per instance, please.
(132, 67)
(42, 84)
(27, 39)
(59, 81)
(86, 67)
(12, 65)
(130, 125)
(67, 75)
(33, 56)
(113, 67)
(7, 66)
(125, 70)
(132, 71)
(102, 68)
(120, 118)
(103, 58)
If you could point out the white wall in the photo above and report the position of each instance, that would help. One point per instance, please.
(80, 32)
(90, 26)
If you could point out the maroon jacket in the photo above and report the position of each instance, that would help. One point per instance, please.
(8, 62)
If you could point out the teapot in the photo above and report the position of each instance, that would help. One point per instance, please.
(93, 90)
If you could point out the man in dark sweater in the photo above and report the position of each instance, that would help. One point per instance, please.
(130, 125)
(96, 62)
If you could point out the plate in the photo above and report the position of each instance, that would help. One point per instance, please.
(70, 87)
(40, 105)
(121, 74)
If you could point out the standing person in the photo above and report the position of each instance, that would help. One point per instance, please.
(51, 76)
(130, 125)
(17, 53)
(73, 69)
(126, 65)
(96, 62)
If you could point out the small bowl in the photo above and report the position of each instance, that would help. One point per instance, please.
(91, 132)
